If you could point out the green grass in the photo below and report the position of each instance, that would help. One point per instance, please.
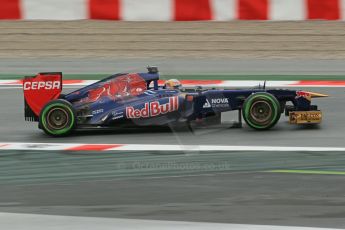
(200, 77)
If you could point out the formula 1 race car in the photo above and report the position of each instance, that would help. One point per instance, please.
(139, 99)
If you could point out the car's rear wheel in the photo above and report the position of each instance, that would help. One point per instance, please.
(261, 111)
(57, 118)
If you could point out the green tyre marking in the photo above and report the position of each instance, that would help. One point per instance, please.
(57, 132)
(248, 107)
(246, 110)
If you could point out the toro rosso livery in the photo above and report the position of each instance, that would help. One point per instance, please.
(138, 99)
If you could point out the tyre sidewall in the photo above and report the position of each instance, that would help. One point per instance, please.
(62, 104)
(274, 104)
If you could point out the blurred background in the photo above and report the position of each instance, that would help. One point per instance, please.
(289, 42)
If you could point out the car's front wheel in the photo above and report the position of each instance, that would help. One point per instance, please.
(261, 111)
(57, 118)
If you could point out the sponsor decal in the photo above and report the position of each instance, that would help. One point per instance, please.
(220, 101)
(117, 115)
(207, 104)
(304, 117)
(97, 111)
(152, 109)
(217, 103)
(37, 85)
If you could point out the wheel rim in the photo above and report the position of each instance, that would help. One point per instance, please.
(261, 112)
(57, 118)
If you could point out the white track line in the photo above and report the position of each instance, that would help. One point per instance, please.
(16, 221)
(153, 147)
(207, 148)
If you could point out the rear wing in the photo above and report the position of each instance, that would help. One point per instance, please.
(38, 91)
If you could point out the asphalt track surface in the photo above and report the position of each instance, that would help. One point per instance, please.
(329, 133)
(209, 187)
(213, 187)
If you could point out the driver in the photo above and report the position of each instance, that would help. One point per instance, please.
(172, 84)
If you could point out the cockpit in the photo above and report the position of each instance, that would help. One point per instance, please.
(121, 85)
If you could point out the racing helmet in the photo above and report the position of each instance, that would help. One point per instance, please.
(172, 84)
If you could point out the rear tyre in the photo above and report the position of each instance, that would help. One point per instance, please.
(261, 111)
(57, 118)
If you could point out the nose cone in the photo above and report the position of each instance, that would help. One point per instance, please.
(315, 95)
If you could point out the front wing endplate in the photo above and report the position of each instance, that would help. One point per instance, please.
(305, 117)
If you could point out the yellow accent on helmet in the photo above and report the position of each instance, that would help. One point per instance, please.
(172, 84)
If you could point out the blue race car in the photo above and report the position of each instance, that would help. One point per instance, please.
(128, 99)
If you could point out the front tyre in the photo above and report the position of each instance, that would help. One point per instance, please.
(57, 118)
(261, 111)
